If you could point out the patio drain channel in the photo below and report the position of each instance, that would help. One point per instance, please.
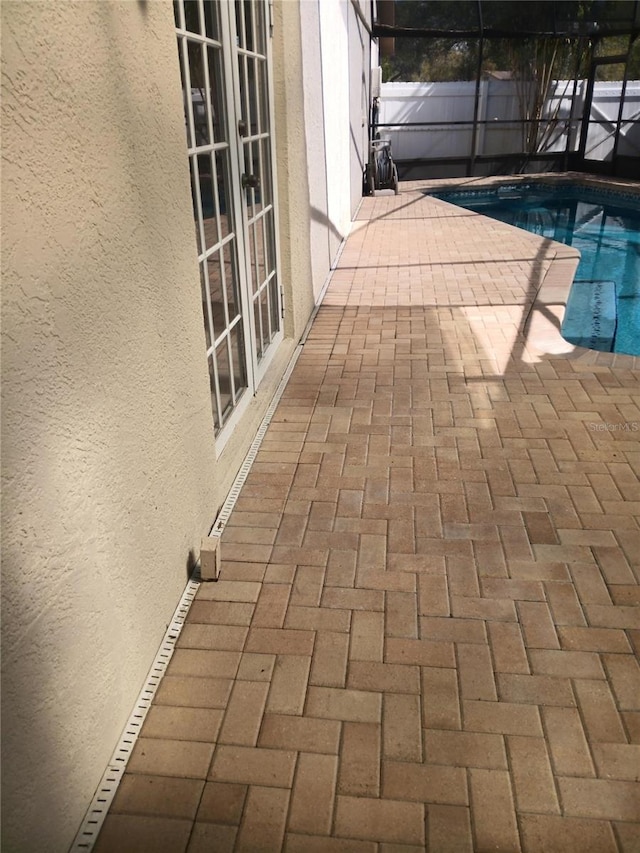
(250, 458)
(94, 818)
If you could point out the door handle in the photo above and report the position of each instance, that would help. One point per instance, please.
(250, 181)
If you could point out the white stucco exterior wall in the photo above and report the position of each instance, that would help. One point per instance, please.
(328, 109)
(322, 231)
(292, 168)
(346, 47)
(334, 35)
(359, 82)
(108, 451)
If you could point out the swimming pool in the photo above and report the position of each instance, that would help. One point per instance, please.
(603, 309)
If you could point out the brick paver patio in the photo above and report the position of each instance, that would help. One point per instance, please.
(424, 633)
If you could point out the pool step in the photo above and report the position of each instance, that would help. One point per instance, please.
(590, 315)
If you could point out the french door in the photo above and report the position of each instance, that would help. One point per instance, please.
(225, 63)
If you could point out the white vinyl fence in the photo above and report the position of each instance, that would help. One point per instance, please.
(406, 104)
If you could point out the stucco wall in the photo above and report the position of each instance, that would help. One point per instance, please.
(359, 83)
(345, 74)
(334, 34)
(322, 231)
(108, 452)
(292, 167)
(326, 109)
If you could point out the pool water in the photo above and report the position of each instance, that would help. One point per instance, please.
(603, 309)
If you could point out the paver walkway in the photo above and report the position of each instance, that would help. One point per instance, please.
(424, 635)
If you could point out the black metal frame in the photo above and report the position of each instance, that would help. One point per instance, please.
(590, 31)
(561, 28)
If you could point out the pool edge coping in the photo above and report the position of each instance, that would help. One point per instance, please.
(542, 334)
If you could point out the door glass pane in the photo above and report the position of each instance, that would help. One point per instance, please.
(198, 92)
(191, 16)
(239, 10)
(253, 194)
(216, 81)
(224, 193)
(214, 397)
(259, 238)
(224, 377)
(209, 221)
(257, 318)
(185, 97)
(215, 292)
(211, 22)
(252, 259)
(255, 266)
(263, 96)
(266, 325)
(244, 90)
(205, 312)
(194, 199)
(270, 241)
(231, 280)
(274, 304)
(252, 94)
(248, 192)
(248, 25)
(267, 189)
(237, 356)
(259, 29)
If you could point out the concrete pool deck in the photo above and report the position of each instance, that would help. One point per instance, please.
(426, 630)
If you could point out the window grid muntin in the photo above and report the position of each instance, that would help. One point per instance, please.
(182, 33)
(204, 149)
(242, 51)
